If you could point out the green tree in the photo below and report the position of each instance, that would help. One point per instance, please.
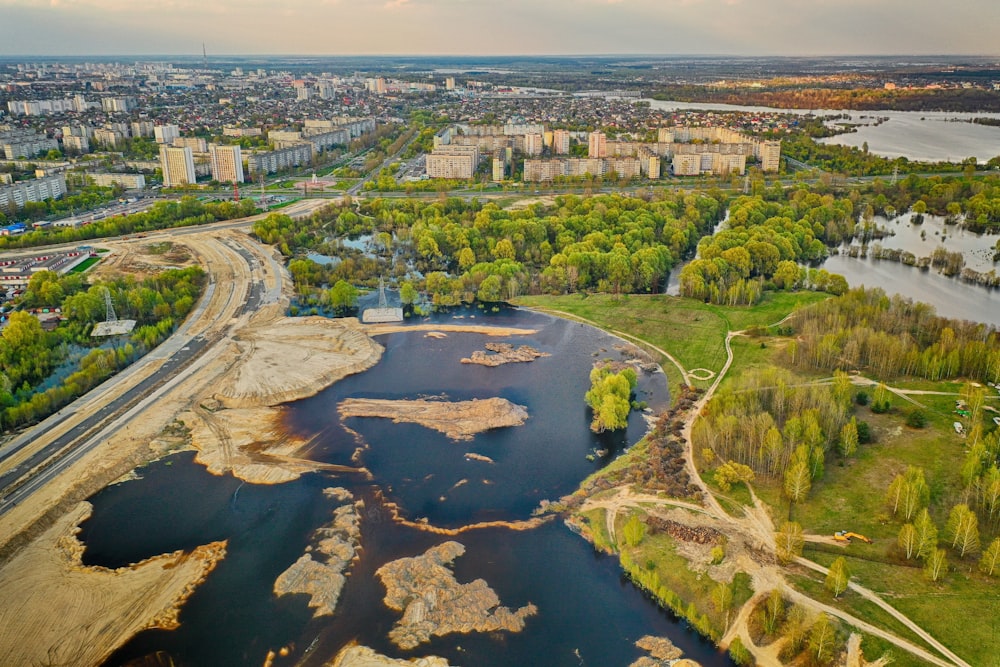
(927, 533)
(838, 576)
(990, 562)
(849, 438)
(634, 530)
(408, 294)
(789, 541)
(490, 289)
(722, 600)
(798, 482)
(822, 635)
(343, 295)
(907, 540)
(962, 530)
(936, 564)
(774, 611)
(731, 473)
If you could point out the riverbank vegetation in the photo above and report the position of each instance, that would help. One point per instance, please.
(43, 369)
(610, 396)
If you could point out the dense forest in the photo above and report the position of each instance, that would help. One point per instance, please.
(892, 337)
(764, 243)
(452, 248)
(41, 371)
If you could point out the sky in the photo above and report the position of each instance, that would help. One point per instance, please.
(499, 27)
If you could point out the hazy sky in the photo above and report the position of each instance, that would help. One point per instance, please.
(460, 27)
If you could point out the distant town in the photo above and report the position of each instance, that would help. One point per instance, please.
(110, 128)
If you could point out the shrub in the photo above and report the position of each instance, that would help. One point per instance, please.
(916, 418)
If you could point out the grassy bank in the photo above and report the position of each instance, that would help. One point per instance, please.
(692, 331)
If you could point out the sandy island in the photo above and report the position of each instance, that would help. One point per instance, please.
(435, 604)
(100, 609)
(504, 353)
(362, 656)
(459, 420)
(323, 579)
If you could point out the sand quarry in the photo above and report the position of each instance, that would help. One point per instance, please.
(58, 611)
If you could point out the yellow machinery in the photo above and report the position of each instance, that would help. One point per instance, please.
(845, 536)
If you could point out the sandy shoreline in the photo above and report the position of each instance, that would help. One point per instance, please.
(99, 609)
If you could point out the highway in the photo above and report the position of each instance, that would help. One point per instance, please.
(238, 286)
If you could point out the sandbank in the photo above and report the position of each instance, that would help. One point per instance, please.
(435, 604)
(336, 546)
(380, 329)
(362, 656)
(459, 420)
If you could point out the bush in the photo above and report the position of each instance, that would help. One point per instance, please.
(881, 407)
(864, 433)
(861, 398)
(917, 418)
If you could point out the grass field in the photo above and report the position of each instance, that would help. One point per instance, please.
(692, 331)
(85, 264)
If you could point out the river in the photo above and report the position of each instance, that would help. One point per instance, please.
(916, 135)
(588, 614)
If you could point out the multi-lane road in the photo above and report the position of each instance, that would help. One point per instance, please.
(242, 278)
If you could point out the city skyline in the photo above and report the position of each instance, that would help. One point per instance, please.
(516, 27)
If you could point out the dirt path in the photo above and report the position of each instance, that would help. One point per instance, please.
(873, 597)
(756, 524)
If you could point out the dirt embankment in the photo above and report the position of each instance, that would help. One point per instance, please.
(459, 420)
(98, 609)
(322, 578)
(236, 425)
(503, 353)
(434, 604)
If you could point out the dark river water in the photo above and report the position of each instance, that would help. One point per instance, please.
(587, 613)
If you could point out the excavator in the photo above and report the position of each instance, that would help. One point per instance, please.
(846, 536)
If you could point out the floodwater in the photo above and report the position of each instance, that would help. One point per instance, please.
(588, 614)
(916, 135)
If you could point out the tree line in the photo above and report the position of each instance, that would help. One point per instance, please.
(41, 371)
(450, 248)
(185, 212)
(893, 337)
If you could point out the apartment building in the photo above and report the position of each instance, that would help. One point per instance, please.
(597, 145)
(227, 163)
(560, 142)
(39, 189)
(177, 165)
(268, 162)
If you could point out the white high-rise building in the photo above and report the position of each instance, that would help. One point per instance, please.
(177, 165)
(227, 163)
(560, 142)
